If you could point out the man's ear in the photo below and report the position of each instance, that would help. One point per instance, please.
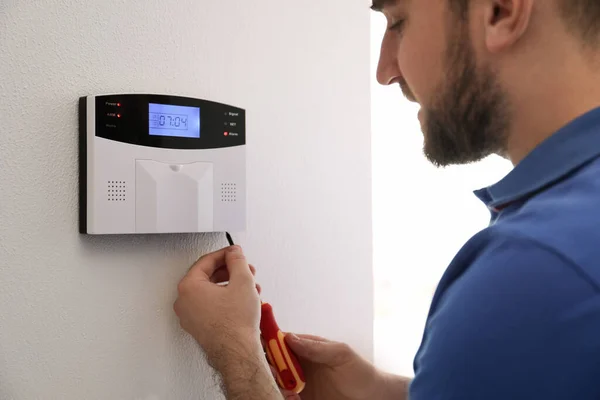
(505, 22)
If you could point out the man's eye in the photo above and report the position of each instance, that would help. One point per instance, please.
(397, 26)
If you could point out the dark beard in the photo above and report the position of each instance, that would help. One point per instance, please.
(469, 118)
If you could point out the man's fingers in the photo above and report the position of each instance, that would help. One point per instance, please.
(320, 351)
(214, 264)
(239, 270)
(311, 337)
(221, 275)
(206, 265)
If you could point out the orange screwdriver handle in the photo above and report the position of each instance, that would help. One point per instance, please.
(289, 372)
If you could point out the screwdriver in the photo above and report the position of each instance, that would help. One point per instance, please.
(288, 370)
(289, 374)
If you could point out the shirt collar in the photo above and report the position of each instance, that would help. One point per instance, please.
(568, 149)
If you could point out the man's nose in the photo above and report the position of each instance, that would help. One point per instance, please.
(388, 71)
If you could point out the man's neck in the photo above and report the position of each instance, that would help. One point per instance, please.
(543, 108)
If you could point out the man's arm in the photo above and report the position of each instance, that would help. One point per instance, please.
(224, 320)
(245, 373)
(395, 387)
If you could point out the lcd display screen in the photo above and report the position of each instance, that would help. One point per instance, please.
(170, 120)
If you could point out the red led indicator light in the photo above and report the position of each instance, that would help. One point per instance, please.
(118, 115)
(226, 133)
(118, 104)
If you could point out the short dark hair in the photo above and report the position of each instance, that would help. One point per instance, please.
(582, 17)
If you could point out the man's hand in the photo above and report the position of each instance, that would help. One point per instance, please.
(225, 322)
(220, 317)
(334, 371)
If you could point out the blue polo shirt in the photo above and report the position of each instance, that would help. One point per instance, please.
(516, 315)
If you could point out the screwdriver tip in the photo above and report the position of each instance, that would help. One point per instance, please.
(229, 239)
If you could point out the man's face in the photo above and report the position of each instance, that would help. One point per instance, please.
(428, 50)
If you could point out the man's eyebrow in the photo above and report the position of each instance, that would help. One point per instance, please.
(379, 5)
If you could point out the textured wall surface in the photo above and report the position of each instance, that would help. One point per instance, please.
(91, 317)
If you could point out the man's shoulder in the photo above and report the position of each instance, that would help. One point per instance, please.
(517, 313)
(563, 219)
(513, 312)
(502, 258)
(538, 261)
(553, 237)
(512, 250)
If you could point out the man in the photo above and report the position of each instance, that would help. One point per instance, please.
(517, 313)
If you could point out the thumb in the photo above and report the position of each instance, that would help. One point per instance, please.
(320, 351)
(237, 265)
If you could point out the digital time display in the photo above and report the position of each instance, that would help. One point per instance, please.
(169, 120)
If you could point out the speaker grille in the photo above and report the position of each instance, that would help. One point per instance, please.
(228, 192)
(116, 191)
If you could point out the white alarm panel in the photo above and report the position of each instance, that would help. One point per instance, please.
(161, 164)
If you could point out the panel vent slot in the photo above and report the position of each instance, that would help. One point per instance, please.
(116, 190)
(228, 192)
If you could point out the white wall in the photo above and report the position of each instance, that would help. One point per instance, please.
(91, 317)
